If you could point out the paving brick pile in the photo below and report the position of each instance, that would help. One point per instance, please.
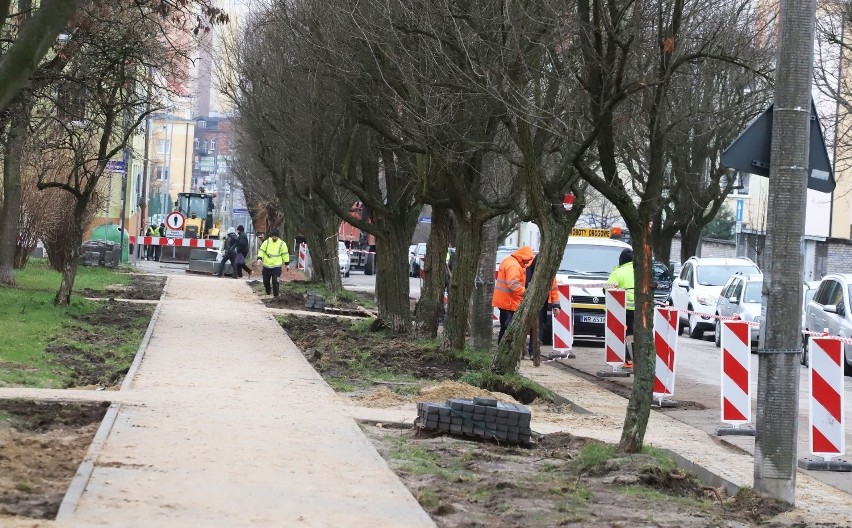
(482, 417)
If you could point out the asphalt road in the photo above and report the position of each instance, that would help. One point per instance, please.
(697, 393)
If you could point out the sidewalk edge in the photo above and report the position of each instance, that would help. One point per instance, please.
(81, 479)
(140, 353)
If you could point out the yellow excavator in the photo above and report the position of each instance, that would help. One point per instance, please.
(198, 210)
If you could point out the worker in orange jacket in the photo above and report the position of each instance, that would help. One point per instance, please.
(510, 286)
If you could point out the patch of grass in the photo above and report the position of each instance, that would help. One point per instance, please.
(662, 459)
(477, 359)
(592, 457)
(331, 298)
(655, 495)
(340, 384)
(416, 460)
(31, 323)
(480, 494)
(38, 275)
(24, 487)
(428, 498)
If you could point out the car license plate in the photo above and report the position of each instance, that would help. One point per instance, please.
(597, 319)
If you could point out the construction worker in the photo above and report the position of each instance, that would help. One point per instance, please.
(623, 278)
(153, 249)
(509, 287)
(272, 254)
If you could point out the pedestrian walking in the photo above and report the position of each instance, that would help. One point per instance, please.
(509, 287)
(158, 249)
(273, 253)
(229, 247)
(242, 252)
(623, 278)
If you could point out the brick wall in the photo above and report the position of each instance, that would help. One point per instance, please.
(839, 255)
(709, 248)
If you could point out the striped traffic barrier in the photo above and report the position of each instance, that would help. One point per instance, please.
(665, 346)
(735, 394)
(495, 316)
(563, 332)
(825, 417)
(615, 332)
(303, 256)
(175, 242)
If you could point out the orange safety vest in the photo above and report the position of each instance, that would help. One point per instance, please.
(509, 287)
(553, 298)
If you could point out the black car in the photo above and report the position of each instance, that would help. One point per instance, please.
(663, 282)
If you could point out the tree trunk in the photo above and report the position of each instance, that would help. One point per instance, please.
(690, 238)
(461, 287)
(644, 354)
(663, 245)
(325, 266)
(69, 268)
(11, 211)
(482, 324)
(554, 236)
(392, 275)
(435, 274)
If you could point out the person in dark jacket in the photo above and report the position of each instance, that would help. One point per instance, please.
(242, 252)
(230, 252)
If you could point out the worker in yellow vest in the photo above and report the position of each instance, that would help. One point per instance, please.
(273, 253)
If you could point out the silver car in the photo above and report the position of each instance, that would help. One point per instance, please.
(830, 309)
(741, 295)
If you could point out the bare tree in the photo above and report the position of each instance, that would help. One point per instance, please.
(98, 102)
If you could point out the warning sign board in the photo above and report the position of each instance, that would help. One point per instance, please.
(174, 221)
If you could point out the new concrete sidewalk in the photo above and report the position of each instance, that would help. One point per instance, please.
(226, 424)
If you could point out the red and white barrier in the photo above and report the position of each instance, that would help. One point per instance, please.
(736, 372)
(616, 327)
(303, 256)
(665, 344)
(828, 438)
(563, 324)
(175, 242)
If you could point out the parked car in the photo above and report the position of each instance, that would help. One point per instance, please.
(830, 309)
(343, 259)
(698, 286)
(741, 296)
(662, 282)
(809, 289)
(415, 258)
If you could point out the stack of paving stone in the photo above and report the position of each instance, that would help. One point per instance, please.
(482, 417)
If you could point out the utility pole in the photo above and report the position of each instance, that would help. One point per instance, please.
(778, 377)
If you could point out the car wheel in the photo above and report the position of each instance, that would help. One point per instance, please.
(694, 331)
(346, 275)
(804, 358)
(718, 338)
(847, 368)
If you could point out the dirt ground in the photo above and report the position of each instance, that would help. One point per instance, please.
(141, 287)
(41, 446)
(468, 483)
(292, 286)
(560, 481)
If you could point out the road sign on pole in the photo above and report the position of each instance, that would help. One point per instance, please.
(175, 221)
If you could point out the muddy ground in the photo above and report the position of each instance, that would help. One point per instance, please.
(293, 295)
(468, 483)
(41, 446)
(561, 481)
(98, 348)
(141, 287)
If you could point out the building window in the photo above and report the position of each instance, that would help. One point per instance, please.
(164, 146)
(212, 144)
(162, 173)
(196, 143)
(71, 103)
(742, 184)
(202, 123)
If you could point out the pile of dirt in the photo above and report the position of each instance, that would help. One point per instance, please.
(563, 480)
(441, 392)
(42, 444)
(453, 389)
(293, 296)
